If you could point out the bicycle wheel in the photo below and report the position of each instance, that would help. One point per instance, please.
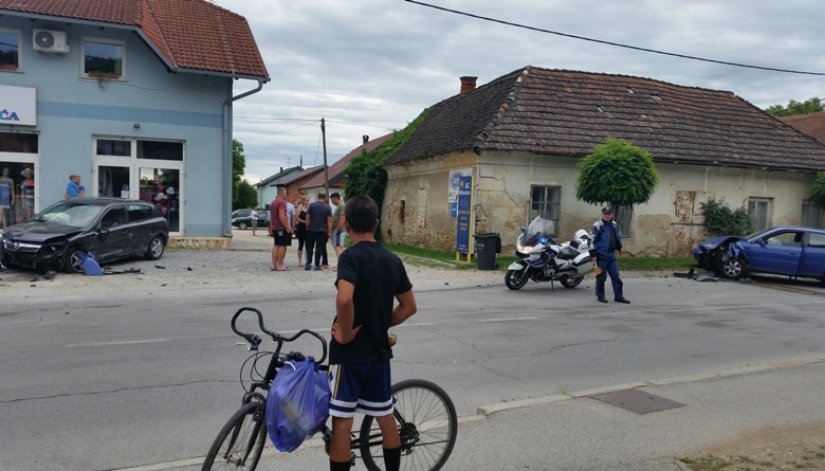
(426, 421)
(240, 442)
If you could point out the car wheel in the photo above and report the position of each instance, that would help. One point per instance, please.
(155, 249)
(733, 268)
(73, 260)
(242, 226)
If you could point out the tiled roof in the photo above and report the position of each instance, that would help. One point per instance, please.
(188, 34)
(281, 177)
(335, 172)
(568, 113)
(812, 124)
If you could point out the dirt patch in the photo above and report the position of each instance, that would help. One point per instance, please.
(775, 449)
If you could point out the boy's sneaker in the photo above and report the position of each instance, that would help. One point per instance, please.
(317, 268)
(325, 266)
(308, 267)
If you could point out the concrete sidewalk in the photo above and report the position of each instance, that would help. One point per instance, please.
(732, 412)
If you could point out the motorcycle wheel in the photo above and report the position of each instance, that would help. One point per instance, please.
(516, 279)
(569, 281)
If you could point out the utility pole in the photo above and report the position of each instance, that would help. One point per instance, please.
(326, 174)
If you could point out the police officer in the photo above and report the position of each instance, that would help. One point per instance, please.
(605, 242)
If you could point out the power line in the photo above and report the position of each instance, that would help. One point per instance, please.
(615, 44)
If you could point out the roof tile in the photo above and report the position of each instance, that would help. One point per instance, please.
(189, 34)
(568, 113)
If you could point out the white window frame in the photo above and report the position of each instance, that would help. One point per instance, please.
(811, 215)
(543, 213)
(753, 208)
(111, 42)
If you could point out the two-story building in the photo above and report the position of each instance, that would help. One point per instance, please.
(134, 96)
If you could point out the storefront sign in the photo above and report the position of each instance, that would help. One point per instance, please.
(18, 106)
(452, 190)
(464, 217)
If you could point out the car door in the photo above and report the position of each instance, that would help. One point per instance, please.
(777, 252)
(113, 235)
(813, 256)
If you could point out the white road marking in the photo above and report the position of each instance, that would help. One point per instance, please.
(122, 342)
(508, 319)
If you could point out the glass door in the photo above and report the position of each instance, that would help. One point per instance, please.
(113, 181)
(161, 186)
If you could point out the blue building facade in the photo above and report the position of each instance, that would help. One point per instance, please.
(99, 101)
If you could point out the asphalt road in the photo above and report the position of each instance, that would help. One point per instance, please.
(132, 379)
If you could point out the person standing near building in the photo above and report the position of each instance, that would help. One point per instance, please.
(319, 227)
(253, 219)
(74, 189)
(280, 229)
(6, 195)
(300, 226)
(339, 230)
(605, 243)
(370, 279)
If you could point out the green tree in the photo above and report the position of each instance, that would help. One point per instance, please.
(721, 220)
(365, 174)
(811, 105)
(818, 190)
(238, 168)
(616, 172)
(247, 196)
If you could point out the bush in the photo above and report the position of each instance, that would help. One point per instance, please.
(720, 219)
(818, 190)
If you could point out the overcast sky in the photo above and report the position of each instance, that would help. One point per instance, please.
(371, 66)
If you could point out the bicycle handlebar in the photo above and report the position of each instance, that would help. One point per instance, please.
(276, 337)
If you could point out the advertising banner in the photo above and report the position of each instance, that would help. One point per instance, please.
(464, 214)
(18, 106)
(452, 190)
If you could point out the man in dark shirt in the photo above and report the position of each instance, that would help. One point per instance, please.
(370, 279)
(319, 227)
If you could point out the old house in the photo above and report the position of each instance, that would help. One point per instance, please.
(522, 135)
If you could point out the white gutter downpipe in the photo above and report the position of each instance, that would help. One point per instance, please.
(227, 156)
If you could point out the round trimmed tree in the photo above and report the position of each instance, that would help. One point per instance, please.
(617, 172)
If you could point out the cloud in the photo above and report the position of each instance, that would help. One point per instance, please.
(371, 66)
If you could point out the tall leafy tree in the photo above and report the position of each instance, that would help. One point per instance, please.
(811, 105)
(365, 173)
(616, 172)
(238, 168)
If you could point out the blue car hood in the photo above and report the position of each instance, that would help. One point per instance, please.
(714, 242)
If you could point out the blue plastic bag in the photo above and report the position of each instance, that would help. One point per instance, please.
(297, 405)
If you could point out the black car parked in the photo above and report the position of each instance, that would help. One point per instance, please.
(242, 218)
(61, 235)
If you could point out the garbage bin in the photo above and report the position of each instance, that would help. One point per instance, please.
(487, 246)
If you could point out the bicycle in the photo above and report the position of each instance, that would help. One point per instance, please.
(424, 412)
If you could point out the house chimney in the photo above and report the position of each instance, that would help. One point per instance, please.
(468, 84)
(365, 138)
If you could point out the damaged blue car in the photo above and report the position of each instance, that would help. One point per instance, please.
(798, 252)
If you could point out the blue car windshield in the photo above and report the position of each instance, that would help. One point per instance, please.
(70, 214)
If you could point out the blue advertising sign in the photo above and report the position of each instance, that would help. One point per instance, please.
(465, 188)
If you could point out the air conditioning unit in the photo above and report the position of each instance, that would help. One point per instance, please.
(46, 40)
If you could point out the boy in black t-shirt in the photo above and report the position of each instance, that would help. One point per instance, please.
(370, 278)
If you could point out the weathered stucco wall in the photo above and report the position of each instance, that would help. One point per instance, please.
(669, 224)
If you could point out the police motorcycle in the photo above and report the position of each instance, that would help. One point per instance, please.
(542, 259)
